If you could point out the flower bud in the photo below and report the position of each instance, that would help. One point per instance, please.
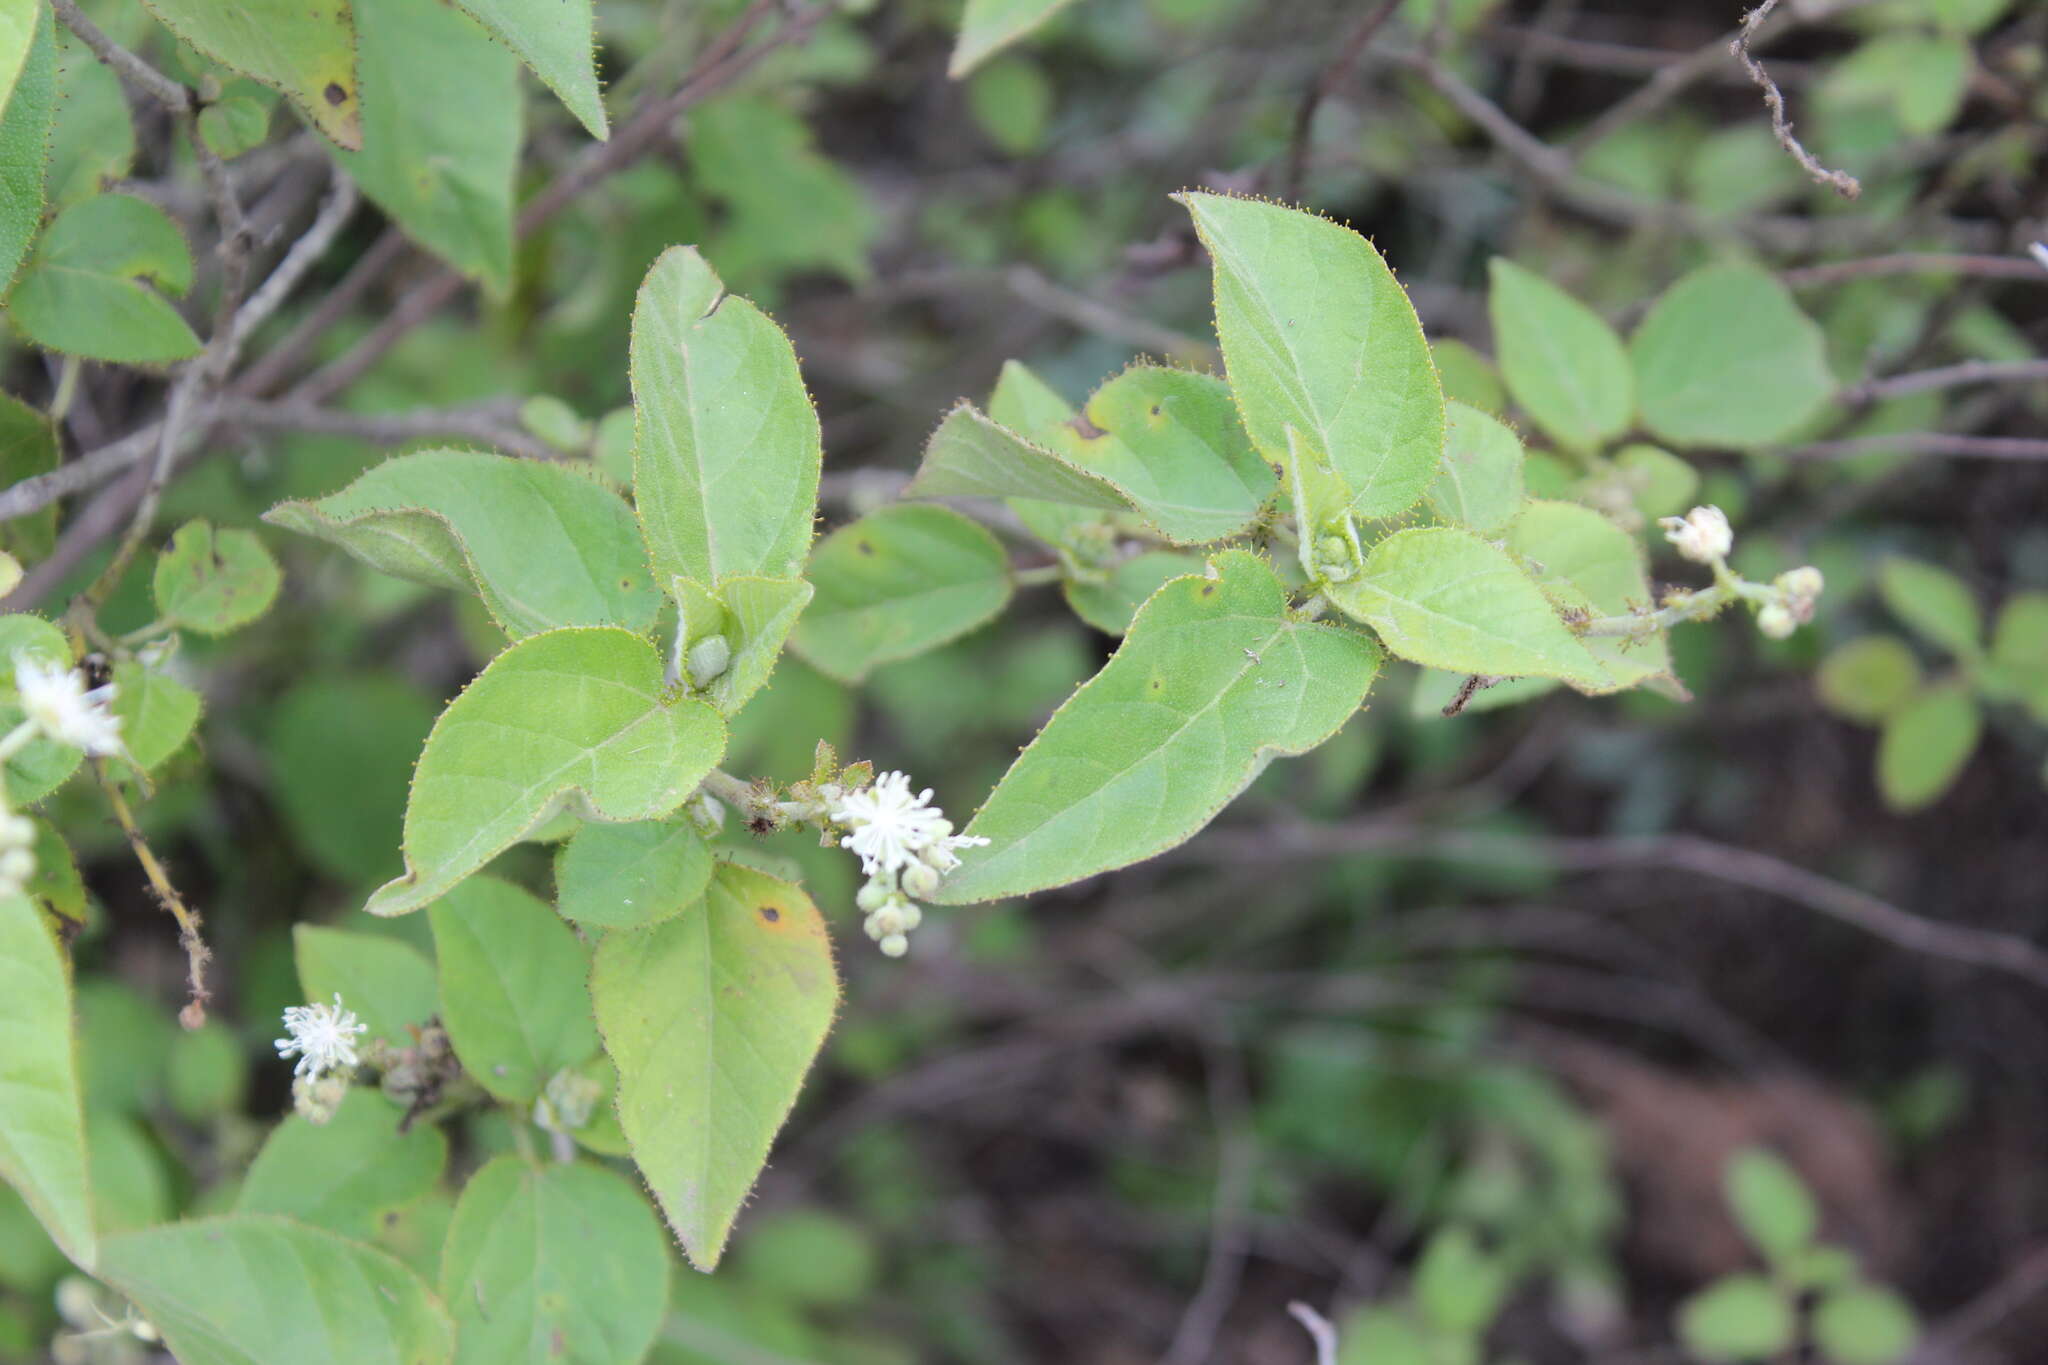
(707, 660)
(1776, 621)
(17, 865)
(16, 831)
(1803, 584)
(921, 880)
(872, 897)
(895, 945)
(315, 1098)
(1701, 535)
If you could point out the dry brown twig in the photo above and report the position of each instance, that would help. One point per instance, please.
(1841, 182)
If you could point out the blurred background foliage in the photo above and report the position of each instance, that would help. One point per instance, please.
(1433, 1031)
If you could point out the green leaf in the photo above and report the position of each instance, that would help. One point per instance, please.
(1925, 744)
(1935, 603)
(786, 208)
(93, 145)
(558, 39)
(569, 719)
(1318, 337)
(388, 984)
(1109, 605)
(2019, 650)
(1741, 1317)
(305, 49)
(1032, 409)
(1935, 78)
(1468, 376)
(235, 124)
(214, 581)
(1865, 1324)
(973, 456)
(1458, 1286)
(253, 1289)
(42, 1126)
(544, 545)
(208, 1077)
(56, 885)
(713, 1017)
(512, 993)
(341, 750)
(1562, 362)
(82, 291)
(1444, 597)
(810, 1256)
(1012, 101)
(346, 1173)
(441, 125)
(1480, 485)
(1214, 680)
(896, 583)
(1868, 679)
(130, 1186)
(557, 1263)
(43, 764)
(1659, 483)
(28, 447)
(625, 876)
(1770, 1203)
(158, 713)
(18, 20)
(754, 616)
(989, 26)
(25, 144)
(1170, 441)
(726, 445)
(1725, 358)
(1583, 560)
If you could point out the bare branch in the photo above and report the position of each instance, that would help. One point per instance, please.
(169, 93)
(1917, 263)
(1841, 182)
(1325, 85)
(1952, 445)
(1319, 1330)
(333, 216)
(1949, 377)
(490, 425)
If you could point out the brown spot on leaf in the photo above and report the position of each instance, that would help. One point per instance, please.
(335, 94)
(865, 547)
(1084, 428)
(770, 913)
(1208, 590)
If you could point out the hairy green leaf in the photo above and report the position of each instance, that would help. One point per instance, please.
(753, 616)
(1109, 605)
(713, 1017)
(624, 876)
(1171, 442)
(1444, 597)
(255, 1289)
(1561, 360)
(898, 582)
(726, 446)
(1480, 485)
(557, 1263)
(42, 1126)
(346, 1173)
(83, 290)
(512, 993)
(388, 984)
(1725, 358)
(441, 126)
(569, 719)
(1215, 678)
(1583, 560)
(306, 49)
(214, 581)
(558, 39)
(542, 544)
(1318, 337)
(93, 145)
(973, 456)
(25, 142)
(158, 713)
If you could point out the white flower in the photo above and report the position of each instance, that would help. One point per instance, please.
(58, 704)
(322, 1037)
(1701, 535)
(889, 828)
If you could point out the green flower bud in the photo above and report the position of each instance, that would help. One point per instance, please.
(707, 660)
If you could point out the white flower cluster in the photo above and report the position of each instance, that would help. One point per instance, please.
(1701, 535)
(905, 845)
(17, 853)
(59, 706)
(1796, 592)
(322, 1037)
